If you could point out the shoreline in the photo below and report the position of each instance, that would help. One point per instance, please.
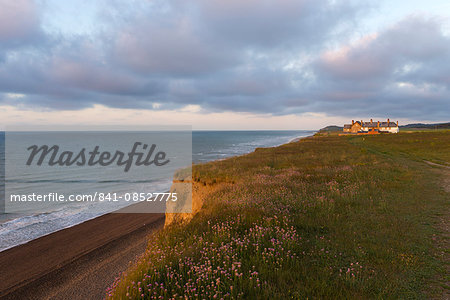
(293, 140)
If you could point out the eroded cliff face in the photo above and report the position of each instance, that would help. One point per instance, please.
(180, 211)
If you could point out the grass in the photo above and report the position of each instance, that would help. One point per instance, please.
(326, 217)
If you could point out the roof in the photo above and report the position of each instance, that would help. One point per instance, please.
(350, 125)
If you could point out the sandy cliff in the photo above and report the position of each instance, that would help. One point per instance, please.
(192, 196)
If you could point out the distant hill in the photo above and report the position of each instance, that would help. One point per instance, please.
(427, 126)
(331, 128)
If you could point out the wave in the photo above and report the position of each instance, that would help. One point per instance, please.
(26, 228)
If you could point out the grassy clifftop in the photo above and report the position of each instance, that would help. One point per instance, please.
(333, 217)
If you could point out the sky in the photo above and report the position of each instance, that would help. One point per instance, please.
(216, 64)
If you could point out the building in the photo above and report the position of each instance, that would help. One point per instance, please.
(361, 127)
(353, 128)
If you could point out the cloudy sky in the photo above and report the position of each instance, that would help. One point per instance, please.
(224, 64)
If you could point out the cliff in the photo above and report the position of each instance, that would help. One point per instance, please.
(192, 196)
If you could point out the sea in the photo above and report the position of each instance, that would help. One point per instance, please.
(16, 229)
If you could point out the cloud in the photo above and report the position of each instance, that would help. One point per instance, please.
(413, 41)
(19, 23)
(272, 24)
(402, 69)
(170, 50)
(267, 57)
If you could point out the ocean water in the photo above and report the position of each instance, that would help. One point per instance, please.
(16, 229)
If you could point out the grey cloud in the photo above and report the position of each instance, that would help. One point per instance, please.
(175, 50)
(19, 23)
(202, 37)
(255, 82)
(403, 69)
(272, 24)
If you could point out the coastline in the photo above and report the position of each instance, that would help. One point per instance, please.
(293, 140)
(76, 246)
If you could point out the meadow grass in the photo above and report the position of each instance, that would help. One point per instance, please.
(325, 217)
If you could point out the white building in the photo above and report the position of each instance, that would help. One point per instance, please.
(389, 127)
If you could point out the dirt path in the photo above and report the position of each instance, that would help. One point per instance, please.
(442, 241)
(437, 165)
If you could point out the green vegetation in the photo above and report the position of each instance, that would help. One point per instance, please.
(326, 217)
(420, 126)
(418, 146)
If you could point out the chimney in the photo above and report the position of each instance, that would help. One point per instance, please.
(353, 122)
(378, 124)
(389, 123)
(371, 121)
(397, 123)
